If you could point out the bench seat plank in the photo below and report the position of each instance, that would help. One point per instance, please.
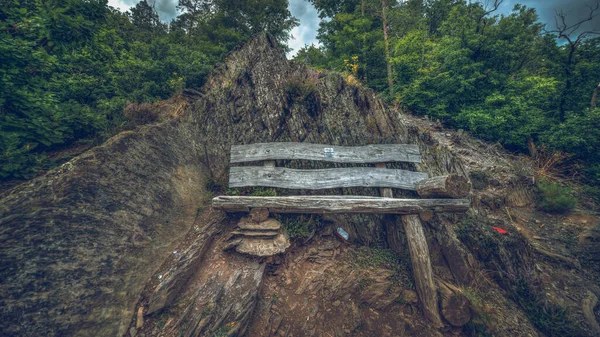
(374, 153)
(331, 204)
(283, 177)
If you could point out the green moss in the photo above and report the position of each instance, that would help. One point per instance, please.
(479, 179)
(263, 192)
(301, 226)
(379, 257)
(376, 257)
(297, 89)
(232, 191)
(550, 318)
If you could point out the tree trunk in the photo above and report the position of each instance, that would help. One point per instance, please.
(421, 263)
(456, 307)
(594, 97)
(568, 83)
(531, 146)
(364, 44)
(387, 47)
(449, 186)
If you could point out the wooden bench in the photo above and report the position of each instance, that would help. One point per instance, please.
(449, 192)
(281, 177)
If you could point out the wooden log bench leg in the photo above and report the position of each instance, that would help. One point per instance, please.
(421, 264)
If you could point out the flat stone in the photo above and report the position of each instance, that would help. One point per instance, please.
(232, 244)
(264, 247)
(337, 303)
(268, 225)
(256, 233)
(259, 214)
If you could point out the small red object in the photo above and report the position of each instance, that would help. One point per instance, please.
(500, 230)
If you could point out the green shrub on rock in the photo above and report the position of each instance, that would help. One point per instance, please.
(555, 197)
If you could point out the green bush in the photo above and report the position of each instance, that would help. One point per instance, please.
(297, 89)
(555, 197)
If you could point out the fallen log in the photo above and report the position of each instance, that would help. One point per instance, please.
(449, 186)
(456, 307)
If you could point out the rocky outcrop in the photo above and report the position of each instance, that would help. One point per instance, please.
(80, 243)
(186, 262)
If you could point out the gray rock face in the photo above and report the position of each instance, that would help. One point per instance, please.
(79, 243)
(186, 263)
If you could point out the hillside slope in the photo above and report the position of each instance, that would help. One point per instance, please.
(125, 231)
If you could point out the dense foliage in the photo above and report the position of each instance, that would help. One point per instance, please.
(67, 67)
(507, 78)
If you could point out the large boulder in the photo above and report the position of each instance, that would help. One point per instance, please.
(79, 243)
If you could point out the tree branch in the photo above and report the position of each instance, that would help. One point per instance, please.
(494, 7)
(566, 31)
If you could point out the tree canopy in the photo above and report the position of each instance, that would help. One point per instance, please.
(68, 67)
(505, 78)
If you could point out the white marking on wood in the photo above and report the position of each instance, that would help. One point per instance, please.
(374, 153)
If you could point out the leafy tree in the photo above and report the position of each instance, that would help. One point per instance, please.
(146, 20)
(68, 67)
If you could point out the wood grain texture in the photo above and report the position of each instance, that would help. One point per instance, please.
(386, 192)
(448, 186)
(337, 204)
(422, 271)
(456, 307)
(375, 153)
(283, 177)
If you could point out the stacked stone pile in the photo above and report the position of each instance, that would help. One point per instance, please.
(258, 235)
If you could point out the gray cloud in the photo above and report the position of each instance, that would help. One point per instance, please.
(547, 9)
(166, 9)
(306, 13)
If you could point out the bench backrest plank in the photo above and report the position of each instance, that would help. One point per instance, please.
(375, 153)
(282, 177)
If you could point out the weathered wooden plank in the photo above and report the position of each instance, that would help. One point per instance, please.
(326, 204)
(386, 192)
(283, 177)
(374, 153)
(421, 265)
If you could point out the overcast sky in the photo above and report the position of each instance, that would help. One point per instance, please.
(306, 33)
